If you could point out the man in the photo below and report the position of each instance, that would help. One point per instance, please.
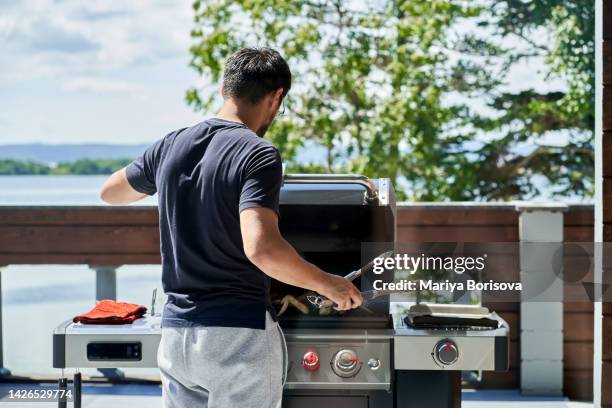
(218, 188)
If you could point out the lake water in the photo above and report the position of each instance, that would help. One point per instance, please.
(51, 190)
(35, 298)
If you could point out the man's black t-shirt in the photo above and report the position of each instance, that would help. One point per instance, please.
(205, 176)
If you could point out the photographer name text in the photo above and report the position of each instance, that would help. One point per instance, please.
(423, 284)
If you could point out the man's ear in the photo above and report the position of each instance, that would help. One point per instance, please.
(222, 92)
(279, 93)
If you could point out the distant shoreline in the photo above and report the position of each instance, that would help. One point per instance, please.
(81, 167)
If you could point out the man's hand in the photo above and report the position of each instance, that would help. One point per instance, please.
(268, 250)
(118, 191)
(342, 292)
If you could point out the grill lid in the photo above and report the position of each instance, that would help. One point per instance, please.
(335, 189)
(327, 218)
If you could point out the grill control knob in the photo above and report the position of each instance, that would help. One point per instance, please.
(311, 361)
(346, 363)
(374, 363)
(446, 352)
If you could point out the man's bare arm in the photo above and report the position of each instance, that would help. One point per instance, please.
(270, 252)
(118, 191)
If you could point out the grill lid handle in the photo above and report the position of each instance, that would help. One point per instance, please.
(371, 193)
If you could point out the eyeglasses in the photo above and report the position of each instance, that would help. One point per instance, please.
(281, 111)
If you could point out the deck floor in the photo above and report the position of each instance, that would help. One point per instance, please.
(149, 396)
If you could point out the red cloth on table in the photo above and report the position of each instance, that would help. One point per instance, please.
(111, 312)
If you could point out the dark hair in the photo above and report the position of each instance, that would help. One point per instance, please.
(252, 73)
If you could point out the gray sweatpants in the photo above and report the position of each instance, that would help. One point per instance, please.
(222, 367)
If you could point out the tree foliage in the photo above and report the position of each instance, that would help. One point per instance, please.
(553, 129)
(17, 167)
(391, 89)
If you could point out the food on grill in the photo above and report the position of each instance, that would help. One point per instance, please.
(306, 307)
(291, 300)
(301, 304)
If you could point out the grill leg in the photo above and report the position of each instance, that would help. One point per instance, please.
(77, 390)
(419, 389)
(63, 387)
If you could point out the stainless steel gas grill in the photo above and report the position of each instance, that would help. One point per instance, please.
(362, 358)
(327, 219)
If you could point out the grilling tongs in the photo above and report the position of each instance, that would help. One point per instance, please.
(322, 302)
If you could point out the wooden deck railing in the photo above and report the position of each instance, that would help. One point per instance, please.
(103, 237)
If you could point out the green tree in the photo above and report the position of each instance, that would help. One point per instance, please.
(16, 167)
(91, 166)
(555, 127)
(81, 167)
(386, 88)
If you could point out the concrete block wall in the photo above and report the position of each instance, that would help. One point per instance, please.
(541, 236)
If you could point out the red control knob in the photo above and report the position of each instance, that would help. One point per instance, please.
(446, 352)
(311, 361)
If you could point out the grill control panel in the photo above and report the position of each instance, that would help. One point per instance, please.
(351, 364)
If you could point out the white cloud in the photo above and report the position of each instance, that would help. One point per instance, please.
(101, 85)
(47, 38)
(99, 70)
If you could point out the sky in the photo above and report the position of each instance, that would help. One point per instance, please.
(93, 71)
(109, 71)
